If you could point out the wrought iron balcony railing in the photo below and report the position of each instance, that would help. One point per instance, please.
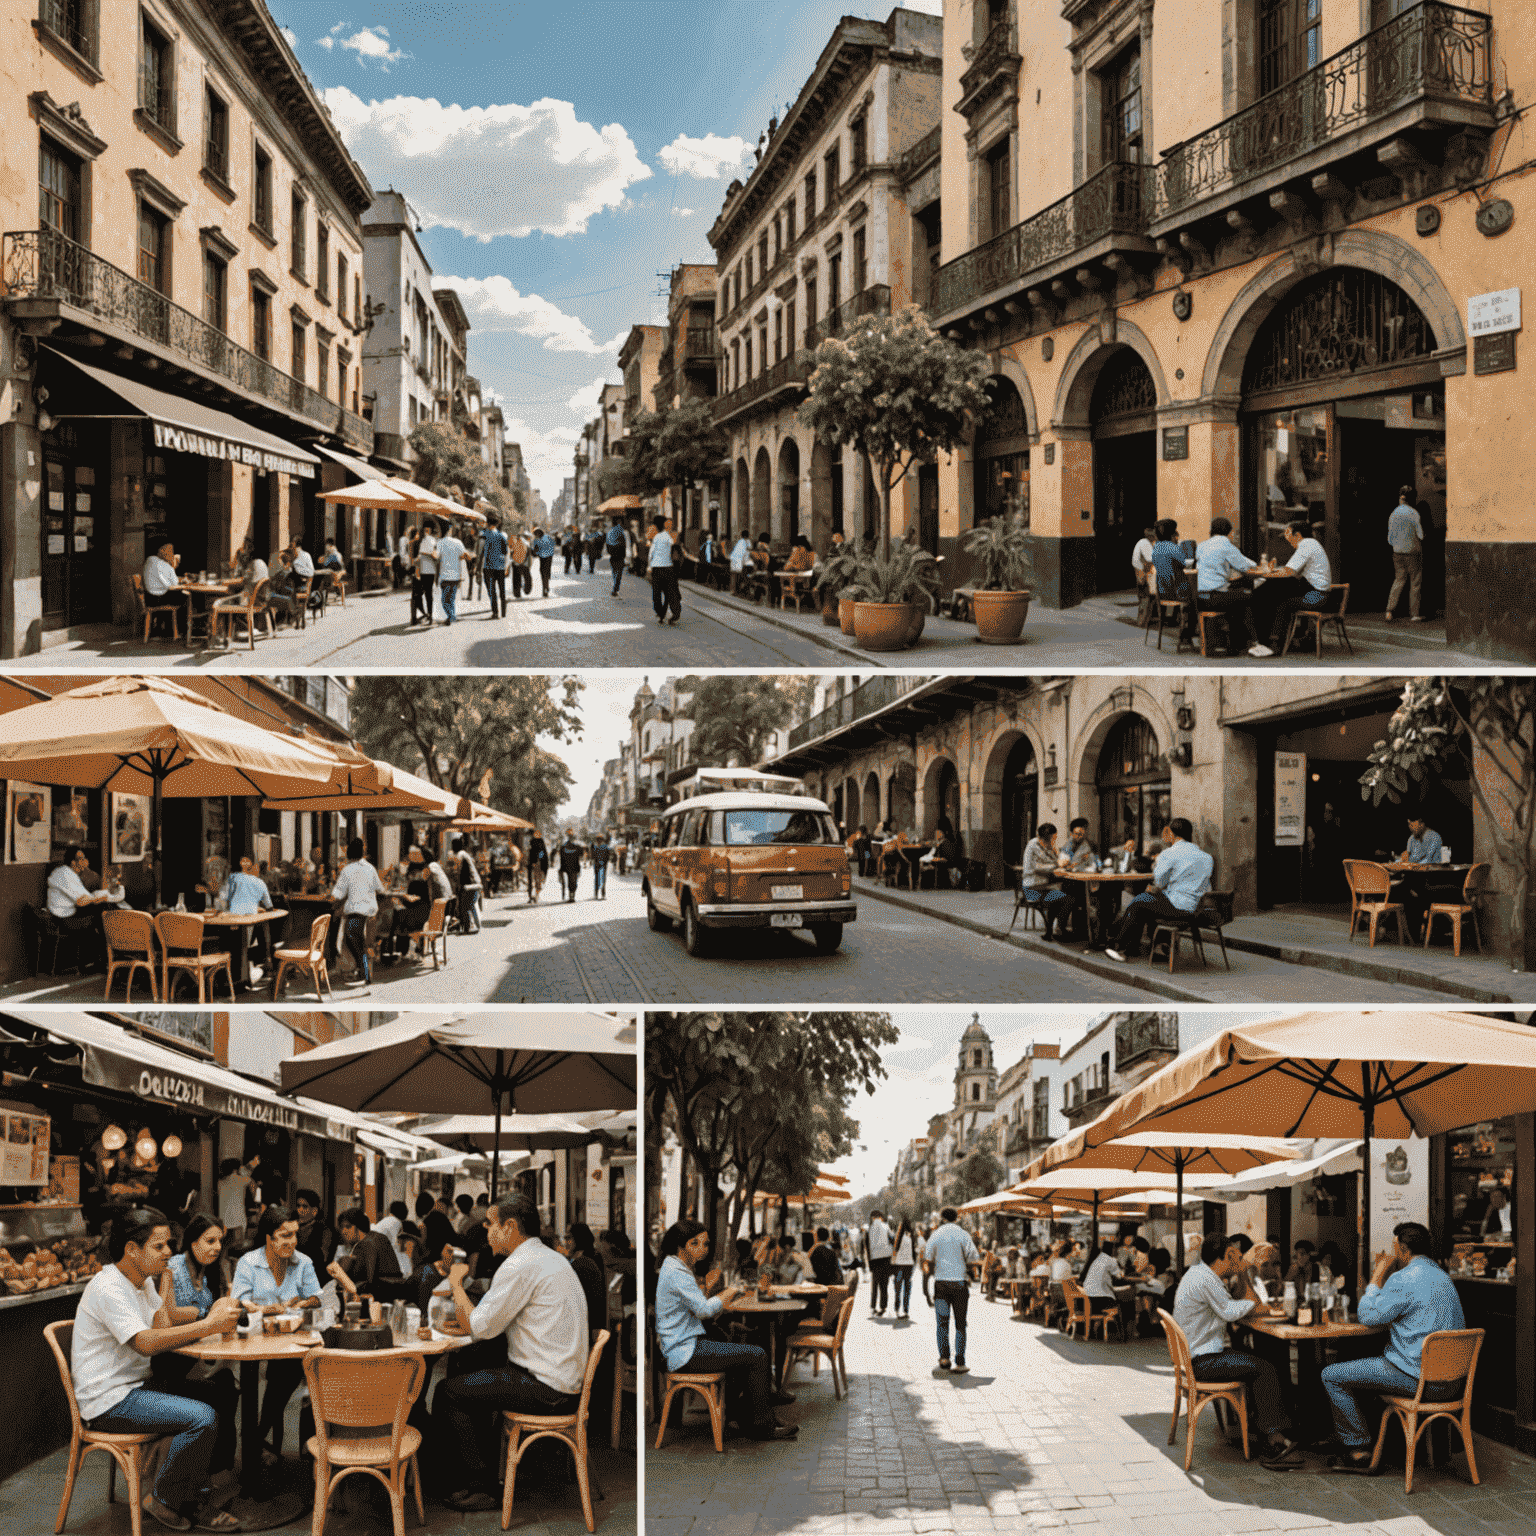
(919, 154)
(1112, 201)
(794, 369)
(863, 700)
(700, 344)
(1141, 1034)
(997, 50)
(43, 264)
(873, 300)
(1432, 51)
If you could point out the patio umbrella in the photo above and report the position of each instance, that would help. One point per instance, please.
(372, 493)
(1338, 1075)
(1090, 1187)
(367, 784)
(514, 1133)
(1339, 1159)
(621, 504)
(482, 818)
(558, 1062)
(148, 735)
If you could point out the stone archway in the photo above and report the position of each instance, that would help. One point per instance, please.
(872, 800)
(762, 493)
(1074, 390)
(851, 806)
(903, 797)
(821, 495)
(741, 499)
(941, 795)
(1010, 803)
(786, 501)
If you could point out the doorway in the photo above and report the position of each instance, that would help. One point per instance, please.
(1020, 805)
(928, 507)
(1123, 413)
(75, 531)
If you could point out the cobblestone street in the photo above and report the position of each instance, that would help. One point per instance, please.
(1045, 1433)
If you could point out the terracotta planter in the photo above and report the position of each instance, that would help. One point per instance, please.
(886, 626)
(1000, 616)
(829, 611)
(919, 618)
(845, 607)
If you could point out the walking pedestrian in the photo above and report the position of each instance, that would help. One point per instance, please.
(469, 887)
(950, 1256)
(475, 580)
(617, 543)
(538, 866)
(664, 593)
(358, 889)
(571, 549)
(594, 547)
(425, 567)
(570, 855)
(601, 852)
(493, 549)
(877, 1248)
(450, 572)
(741, 555)
(544, 548)
(903, 1259)
(1405, 537)
(396, 548)
(520, 552)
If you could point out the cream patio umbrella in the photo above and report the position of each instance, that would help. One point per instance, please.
(1340, 1076)
(149, 735)
(1088, 1188)
(514, 1133)
(371, 493)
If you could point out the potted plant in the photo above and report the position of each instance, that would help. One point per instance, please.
(1000, 546)
(836, 571)
(894, 593)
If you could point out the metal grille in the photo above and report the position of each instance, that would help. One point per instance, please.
(1005, 415)
(1334, 324)
(1124, 388)
(1131, 754)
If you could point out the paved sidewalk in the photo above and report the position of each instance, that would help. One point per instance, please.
(1045, 1433)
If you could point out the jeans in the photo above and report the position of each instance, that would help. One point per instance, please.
(616, 564)
(879, 1283)
(355, 932)
(1407, 571)
(174, 1410)
(466, 1416)
(1344, 1379)
(748, 1383)
(284, 1378)
(1263, 1384)
(1141, 913)
(545, 562)
(522, 580)
(421, 597)
(664, 593)
(469, 908)
(450, 592)
(901, 1274)
(496, 586)
(951, 1296)
(599, 879)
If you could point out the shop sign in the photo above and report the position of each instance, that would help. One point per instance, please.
(24, 1139)
(1490, 313)
(178, 440)
(1290, 799)
(1175, 443)
(1493, 354)
(1399, 1187)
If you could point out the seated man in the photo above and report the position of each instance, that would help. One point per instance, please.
(121, 1324)
(244, 893)
(1080, 855)
(284, 586)
(1218, 564)
(161, 583)
(1181, 876)
(71, 904)
(372, 1265)
(1424, 847)
(1203, 1308)
(1414, 1297)
(1302, 582)
(682, 1311)
(537, 1304)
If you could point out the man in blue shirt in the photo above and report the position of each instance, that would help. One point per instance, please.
(544, 548)
(1424, 847)
(1218, 564)
(1405, 538)
(663, 567)
(1180, 877)
(493, 560)
(1413, 1297)
(617, 544)
(600, 853)
(949, 1256)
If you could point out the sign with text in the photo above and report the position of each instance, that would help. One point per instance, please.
(1399, 1188)
(1175, 443)
(1290, 799)
(178, 440)
(1490, 313)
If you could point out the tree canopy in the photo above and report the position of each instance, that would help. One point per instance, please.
(448, 463)
(676, 446)
(971, 1178)
(735, 717)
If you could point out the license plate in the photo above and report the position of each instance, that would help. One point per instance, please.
(785, 920)
(789, 893)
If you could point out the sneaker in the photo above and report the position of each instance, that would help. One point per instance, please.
(943, 1365)
(775, 1432)
(1357, 1462)
(1387, 617)
(1260, 650)
(1415, 618)
(675, 617)
(959, 1368)
(1114, 954)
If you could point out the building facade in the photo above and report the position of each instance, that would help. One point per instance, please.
(687, 370)
(1221, 259)
(182, 309)
(819, 235)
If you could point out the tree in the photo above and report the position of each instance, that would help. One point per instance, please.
(1488, 725)
(676, 447)
(615, 477)
(979, 1174)
(474, 736)
(897, 391)
(447, 463)
(735, 717)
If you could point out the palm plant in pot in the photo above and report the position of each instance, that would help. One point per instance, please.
(836, 573)
(1000, 547)
(894, 594)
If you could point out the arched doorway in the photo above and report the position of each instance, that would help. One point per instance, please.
(941, 796)
(1135, 791)
(1342, 404)
(821, 495)
(1021, 804)
(741, 499)
(851, 807)
(903, 795)
(787, 502)
(1123, 415)
(872, 809)
(762, 493)
(1001, 454)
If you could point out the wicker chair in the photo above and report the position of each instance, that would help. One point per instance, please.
(247, 606)
(130, 946)
(311, 960)
(1447, 1358)
(1186, 1389)
(435, 932)
(1370, 896)
(710, 1385)
(149, 614)
(181, 945)
(1080, 1310)
(1473, 889)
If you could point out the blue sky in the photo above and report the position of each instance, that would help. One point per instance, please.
(559, 156)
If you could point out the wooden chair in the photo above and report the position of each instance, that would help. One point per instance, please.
(710, 1385)
(831, 1306)
(244, 605)
(1448, 1358)
(436, 931)
(148, 614)
(1213, 616)
(1080, 1310)
(181, 945)
(818, 1344)
(1173, 612)
(303, 586)
(125, 1451)
(1473, 889)
(1370, 895)
(311, 961)
(569, 1428)
(360, 1389)
(1211, 916)
(931, 870)
(1198, 1393)
(1327, 614)
(1030, 909)
(41, 928)
(338, 588)
(626, 1373)
(130, 946)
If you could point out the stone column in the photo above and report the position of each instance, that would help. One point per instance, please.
(21, 515)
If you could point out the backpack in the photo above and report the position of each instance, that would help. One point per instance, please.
(519, 548)
(615, 538)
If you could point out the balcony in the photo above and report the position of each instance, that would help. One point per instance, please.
(1053, 249)
(916, 158)
(46, 278)
(1425, 72)
(1140, 1035)
(863, 700)
(994, 67)
(700, 347)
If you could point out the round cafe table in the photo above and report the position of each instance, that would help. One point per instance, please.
(1099, 884)
(769, 1316)
(239, 956)
(1310, 1342)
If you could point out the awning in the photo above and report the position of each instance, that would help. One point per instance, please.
(112, 1058)
(188, 426)
(359, 467)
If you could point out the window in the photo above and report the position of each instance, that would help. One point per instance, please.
(323, 369)
(1290, 35)
(157, 86)
(323, 265)
(154, 239)
(796, 828)
(215, 291)
(1121, 137)
(298, 352)
(789, 325)
(357, 300)
(858, 143)
(762, 347)
(261, 324)
(834, 287)
(860, 262)
(1040, 1118)
(735, 365)
(778, 335)
(261, 191)
(215, 135)
(762, 254)
(789, 221)
(749, 271)
(341, 284)
(831, 164)
(299, 260)
(778, 236)
(976, 1057)
(74, 21)
(810, 307)
(737, 304)
(58, 189)
(810, 196)
(975, 1092)
(999, 189)
(746, 352)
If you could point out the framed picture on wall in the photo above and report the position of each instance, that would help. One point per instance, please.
(28, 823)
(129, 833)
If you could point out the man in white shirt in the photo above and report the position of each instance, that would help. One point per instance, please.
(1302, 582)
(303, 566)
(1142, 567)
(450, 572)
(878, 1247)
(160, 578)
(663, 569)
(70, 903)
(389, 1226)
(426, 574)
(536, 1303)
(120, 1325)
(358, 889)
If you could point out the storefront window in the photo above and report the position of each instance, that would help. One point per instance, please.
(1291, 467)
(1480, 1192)
(1135, 792)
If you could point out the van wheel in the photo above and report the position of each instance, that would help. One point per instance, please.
(695, 935)
(657, 920)
(828, 936)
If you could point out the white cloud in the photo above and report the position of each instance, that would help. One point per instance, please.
(706, 159)
(370, 44)
(290, 36)
(584, 402)
(493, 304)
(546, 455)
(685, 213)
(489, 171)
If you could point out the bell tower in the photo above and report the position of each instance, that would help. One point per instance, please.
(975, 1076)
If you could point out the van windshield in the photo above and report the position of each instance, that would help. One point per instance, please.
(747, 828)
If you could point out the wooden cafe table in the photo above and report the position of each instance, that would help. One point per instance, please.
(1310, 1341)
(770, 1315)
(1097, 883)
(239, 957)
(210, 591)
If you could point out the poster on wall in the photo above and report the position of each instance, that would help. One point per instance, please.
(71, 819)
(1399, 1188)
(28, 823)
(24, 1147)
(1290, 799)
(130, 828)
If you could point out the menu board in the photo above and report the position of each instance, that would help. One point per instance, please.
(23, 1147)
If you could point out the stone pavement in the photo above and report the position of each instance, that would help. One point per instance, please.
(1045, 1433)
